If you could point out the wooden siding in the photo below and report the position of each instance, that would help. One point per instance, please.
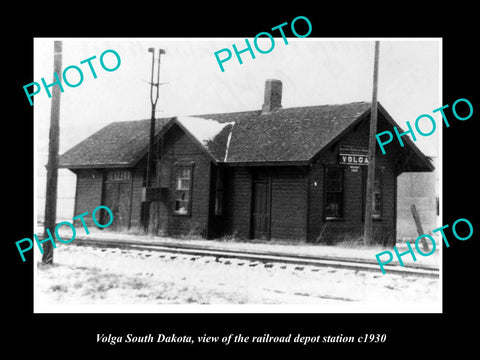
(137, 185)
(288, 199)
(219, 223)
(88, 193)
(351, 226)
(385, 228)
(239, 202)
(289, 203)
(180, 149)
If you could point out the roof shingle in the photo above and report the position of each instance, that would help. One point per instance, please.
(284, 135)
(291, 134)
(117, 144)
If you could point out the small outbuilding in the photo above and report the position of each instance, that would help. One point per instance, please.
(276, 173)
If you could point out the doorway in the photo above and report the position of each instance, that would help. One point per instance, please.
(261, 209)
(117, 196)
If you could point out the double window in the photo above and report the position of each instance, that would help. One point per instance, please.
(183, 190)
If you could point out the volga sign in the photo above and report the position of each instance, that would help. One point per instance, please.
(352, 155)
(353, 159)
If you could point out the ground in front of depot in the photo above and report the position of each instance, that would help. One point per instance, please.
(83, 275)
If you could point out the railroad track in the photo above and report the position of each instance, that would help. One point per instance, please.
(262, 257)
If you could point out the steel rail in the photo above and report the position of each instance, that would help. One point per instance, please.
(262, 256)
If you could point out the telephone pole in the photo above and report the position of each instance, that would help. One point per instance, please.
(153, 100)
(368, 231)
(52, 166)
(150, 156)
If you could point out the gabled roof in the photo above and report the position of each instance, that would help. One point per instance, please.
(214, 136)
(291, 135)
(286, 135)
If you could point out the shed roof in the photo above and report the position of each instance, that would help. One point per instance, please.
(290, 135)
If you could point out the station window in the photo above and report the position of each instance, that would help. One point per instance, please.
(118, 175)
(183, 189)
(333, 192)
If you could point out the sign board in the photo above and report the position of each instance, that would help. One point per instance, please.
(353, 155)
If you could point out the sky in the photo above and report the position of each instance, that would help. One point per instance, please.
(314, 71)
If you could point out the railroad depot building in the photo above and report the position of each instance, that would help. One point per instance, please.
(276, 173)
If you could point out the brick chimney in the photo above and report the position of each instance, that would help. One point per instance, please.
(273, 96)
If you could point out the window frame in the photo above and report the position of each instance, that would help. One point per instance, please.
(341, 170)
(178, 168)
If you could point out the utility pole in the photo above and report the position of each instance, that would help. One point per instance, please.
(52, 166)
(368, 231)
(153, 99)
